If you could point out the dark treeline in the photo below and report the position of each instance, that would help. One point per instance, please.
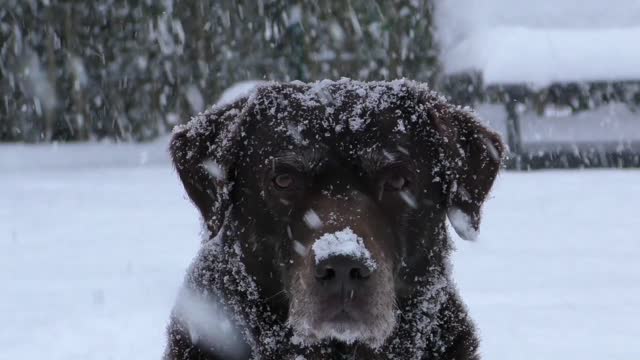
(131, 69)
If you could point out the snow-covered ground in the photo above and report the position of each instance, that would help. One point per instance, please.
(93, 249)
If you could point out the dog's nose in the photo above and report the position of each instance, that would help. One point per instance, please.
(341, 269)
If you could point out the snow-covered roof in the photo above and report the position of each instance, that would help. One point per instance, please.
(542, 56)
(541, 42)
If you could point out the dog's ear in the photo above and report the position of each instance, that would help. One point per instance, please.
(204, 152)
(473, 155)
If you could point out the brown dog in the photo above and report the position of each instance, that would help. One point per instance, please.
(324, 207)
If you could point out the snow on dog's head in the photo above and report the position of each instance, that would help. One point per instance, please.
(336, 195)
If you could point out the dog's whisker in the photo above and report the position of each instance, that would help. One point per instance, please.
(281, 292)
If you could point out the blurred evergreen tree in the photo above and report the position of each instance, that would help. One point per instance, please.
(129, 69)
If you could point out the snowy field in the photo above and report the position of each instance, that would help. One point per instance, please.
(93, 247)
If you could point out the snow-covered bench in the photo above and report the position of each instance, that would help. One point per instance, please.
(561, 97)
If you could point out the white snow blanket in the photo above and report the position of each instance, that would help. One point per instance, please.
(93, 255)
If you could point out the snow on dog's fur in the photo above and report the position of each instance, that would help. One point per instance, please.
(324, 207)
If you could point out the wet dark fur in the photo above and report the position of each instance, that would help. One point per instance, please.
(455, 160)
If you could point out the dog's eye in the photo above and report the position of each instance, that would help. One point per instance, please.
(283, 181)
(395, 183)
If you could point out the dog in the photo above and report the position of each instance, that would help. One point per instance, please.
(324, 210)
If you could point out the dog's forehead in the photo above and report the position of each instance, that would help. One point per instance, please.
(351, 118)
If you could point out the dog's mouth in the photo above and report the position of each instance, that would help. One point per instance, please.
(343, 290)
(346, 325)
(366, 316)
(340, 321)
(343, 317)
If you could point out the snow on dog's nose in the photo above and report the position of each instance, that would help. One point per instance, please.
(346, 243)
(343, 264)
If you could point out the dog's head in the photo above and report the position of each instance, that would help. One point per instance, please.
(339, 193)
